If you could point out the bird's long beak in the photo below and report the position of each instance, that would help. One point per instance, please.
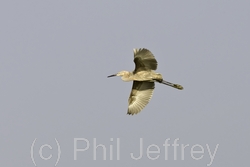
(112, 75)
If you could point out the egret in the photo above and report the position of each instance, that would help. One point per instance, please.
(144, 78)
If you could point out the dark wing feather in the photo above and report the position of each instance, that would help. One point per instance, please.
(144, 60)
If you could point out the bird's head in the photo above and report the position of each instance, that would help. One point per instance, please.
(121, 73)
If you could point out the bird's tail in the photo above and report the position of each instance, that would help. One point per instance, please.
(171, 84)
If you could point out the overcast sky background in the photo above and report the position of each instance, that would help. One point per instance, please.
(56, 55)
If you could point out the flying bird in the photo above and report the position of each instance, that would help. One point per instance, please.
(144, 78)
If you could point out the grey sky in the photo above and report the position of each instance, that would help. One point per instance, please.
(56, 55)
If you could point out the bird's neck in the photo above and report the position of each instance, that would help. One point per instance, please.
(128, 77)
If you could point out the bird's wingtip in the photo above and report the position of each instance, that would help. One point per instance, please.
(132, 113)
(134, 50)
(128, 113)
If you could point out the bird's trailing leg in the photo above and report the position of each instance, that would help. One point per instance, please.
(171, 84)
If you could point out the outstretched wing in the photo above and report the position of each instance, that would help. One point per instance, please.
(144, 60)
(140, 95)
